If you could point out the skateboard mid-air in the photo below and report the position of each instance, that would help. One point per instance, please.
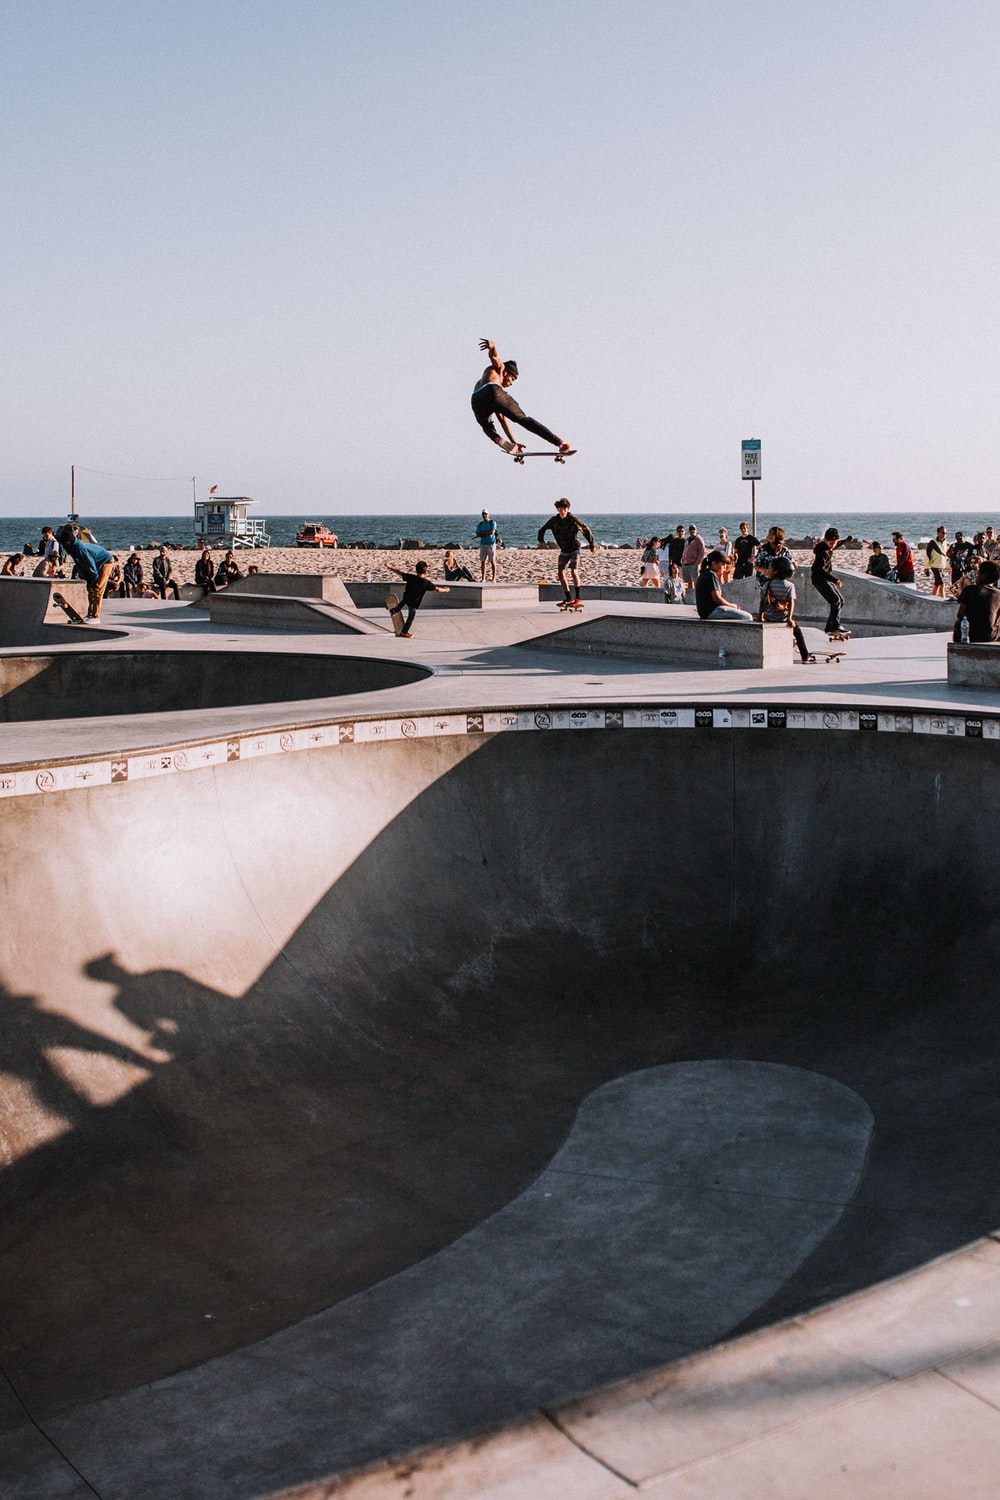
(559, 457)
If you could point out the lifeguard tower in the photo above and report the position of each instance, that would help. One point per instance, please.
(222, 521)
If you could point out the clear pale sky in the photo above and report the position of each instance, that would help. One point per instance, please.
(258, 244)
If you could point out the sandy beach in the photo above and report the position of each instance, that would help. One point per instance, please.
(611, 565)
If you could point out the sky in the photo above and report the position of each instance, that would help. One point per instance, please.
(257, 245)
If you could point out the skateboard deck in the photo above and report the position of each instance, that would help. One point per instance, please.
(391, 600)
(573, 608)
(560, 458)
(67, 608)
(834, 657)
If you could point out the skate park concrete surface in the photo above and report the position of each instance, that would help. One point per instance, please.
(579, 1073)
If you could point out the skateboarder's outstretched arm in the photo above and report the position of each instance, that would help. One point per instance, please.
(488, 347)
(437, 588)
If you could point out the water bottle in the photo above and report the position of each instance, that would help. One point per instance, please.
(722, 656)
(965, 630)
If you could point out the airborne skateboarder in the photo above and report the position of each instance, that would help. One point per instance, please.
(491, 398)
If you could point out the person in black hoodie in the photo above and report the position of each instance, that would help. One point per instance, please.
(823, 580)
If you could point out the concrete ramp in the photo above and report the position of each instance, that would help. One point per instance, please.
(288, 612)
(319, 586)
(671, 639)
(29, 616)
(364, 1096)
(871, 607)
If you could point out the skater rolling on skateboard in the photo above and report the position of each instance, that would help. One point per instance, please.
(491, 398)
(566, 529)
(824, 582)
(417, 585)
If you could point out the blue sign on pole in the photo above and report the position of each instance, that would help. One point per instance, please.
(751, 458)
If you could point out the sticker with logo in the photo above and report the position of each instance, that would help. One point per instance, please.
(474, 724)
(758, 718)
(973, 729)
(119, 770)
(346, 733)
(868, 720)
(614, 718)
(579, 718)
(703, 718)
(543, 721)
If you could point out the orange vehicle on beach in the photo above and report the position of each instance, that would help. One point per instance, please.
(312, 534)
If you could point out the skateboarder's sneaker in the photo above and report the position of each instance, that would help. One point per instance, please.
(565, 448)
(406, 634)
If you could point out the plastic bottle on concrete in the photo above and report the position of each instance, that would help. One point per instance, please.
(722, 656)
(964, 630)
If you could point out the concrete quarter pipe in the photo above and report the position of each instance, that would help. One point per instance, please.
(393, 1089)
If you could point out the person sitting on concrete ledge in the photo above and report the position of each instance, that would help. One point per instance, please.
(878, 564)
(204, 572)
(980, 605)
(708, 596)
(454, 572)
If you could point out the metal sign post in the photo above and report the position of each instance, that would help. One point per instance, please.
(751, 471)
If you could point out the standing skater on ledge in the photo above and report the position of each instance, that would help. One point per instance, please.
(566, 528)
(417, 585)
(491, 399)
(93, 563)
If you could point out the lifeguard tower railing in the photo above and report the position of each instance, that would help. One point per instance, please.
(223, 522)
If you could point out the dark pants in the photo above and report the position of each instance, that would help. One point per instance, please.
(161, 586)
(835, 599)
(411, 610)
(493, 398)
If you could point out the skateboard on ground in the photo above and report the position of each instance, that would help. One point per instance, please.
(560, 458)
(391, 600)
(67, 608)
(834, 657)
(572, 605)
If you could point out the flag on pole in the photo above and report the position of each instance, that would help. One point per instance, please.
(214, 490)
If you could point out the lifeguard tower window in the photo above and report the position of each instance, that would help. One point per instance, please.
(223, 521)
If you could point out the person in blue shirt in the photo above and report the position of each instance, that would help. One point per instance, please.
(486, 536)
(92, 562)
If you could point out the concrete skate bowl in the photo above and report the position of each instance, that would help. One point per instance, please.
(423, 1083)
(78, 684)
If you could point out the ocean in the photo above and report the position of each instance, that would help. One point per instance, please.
(119, 533)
